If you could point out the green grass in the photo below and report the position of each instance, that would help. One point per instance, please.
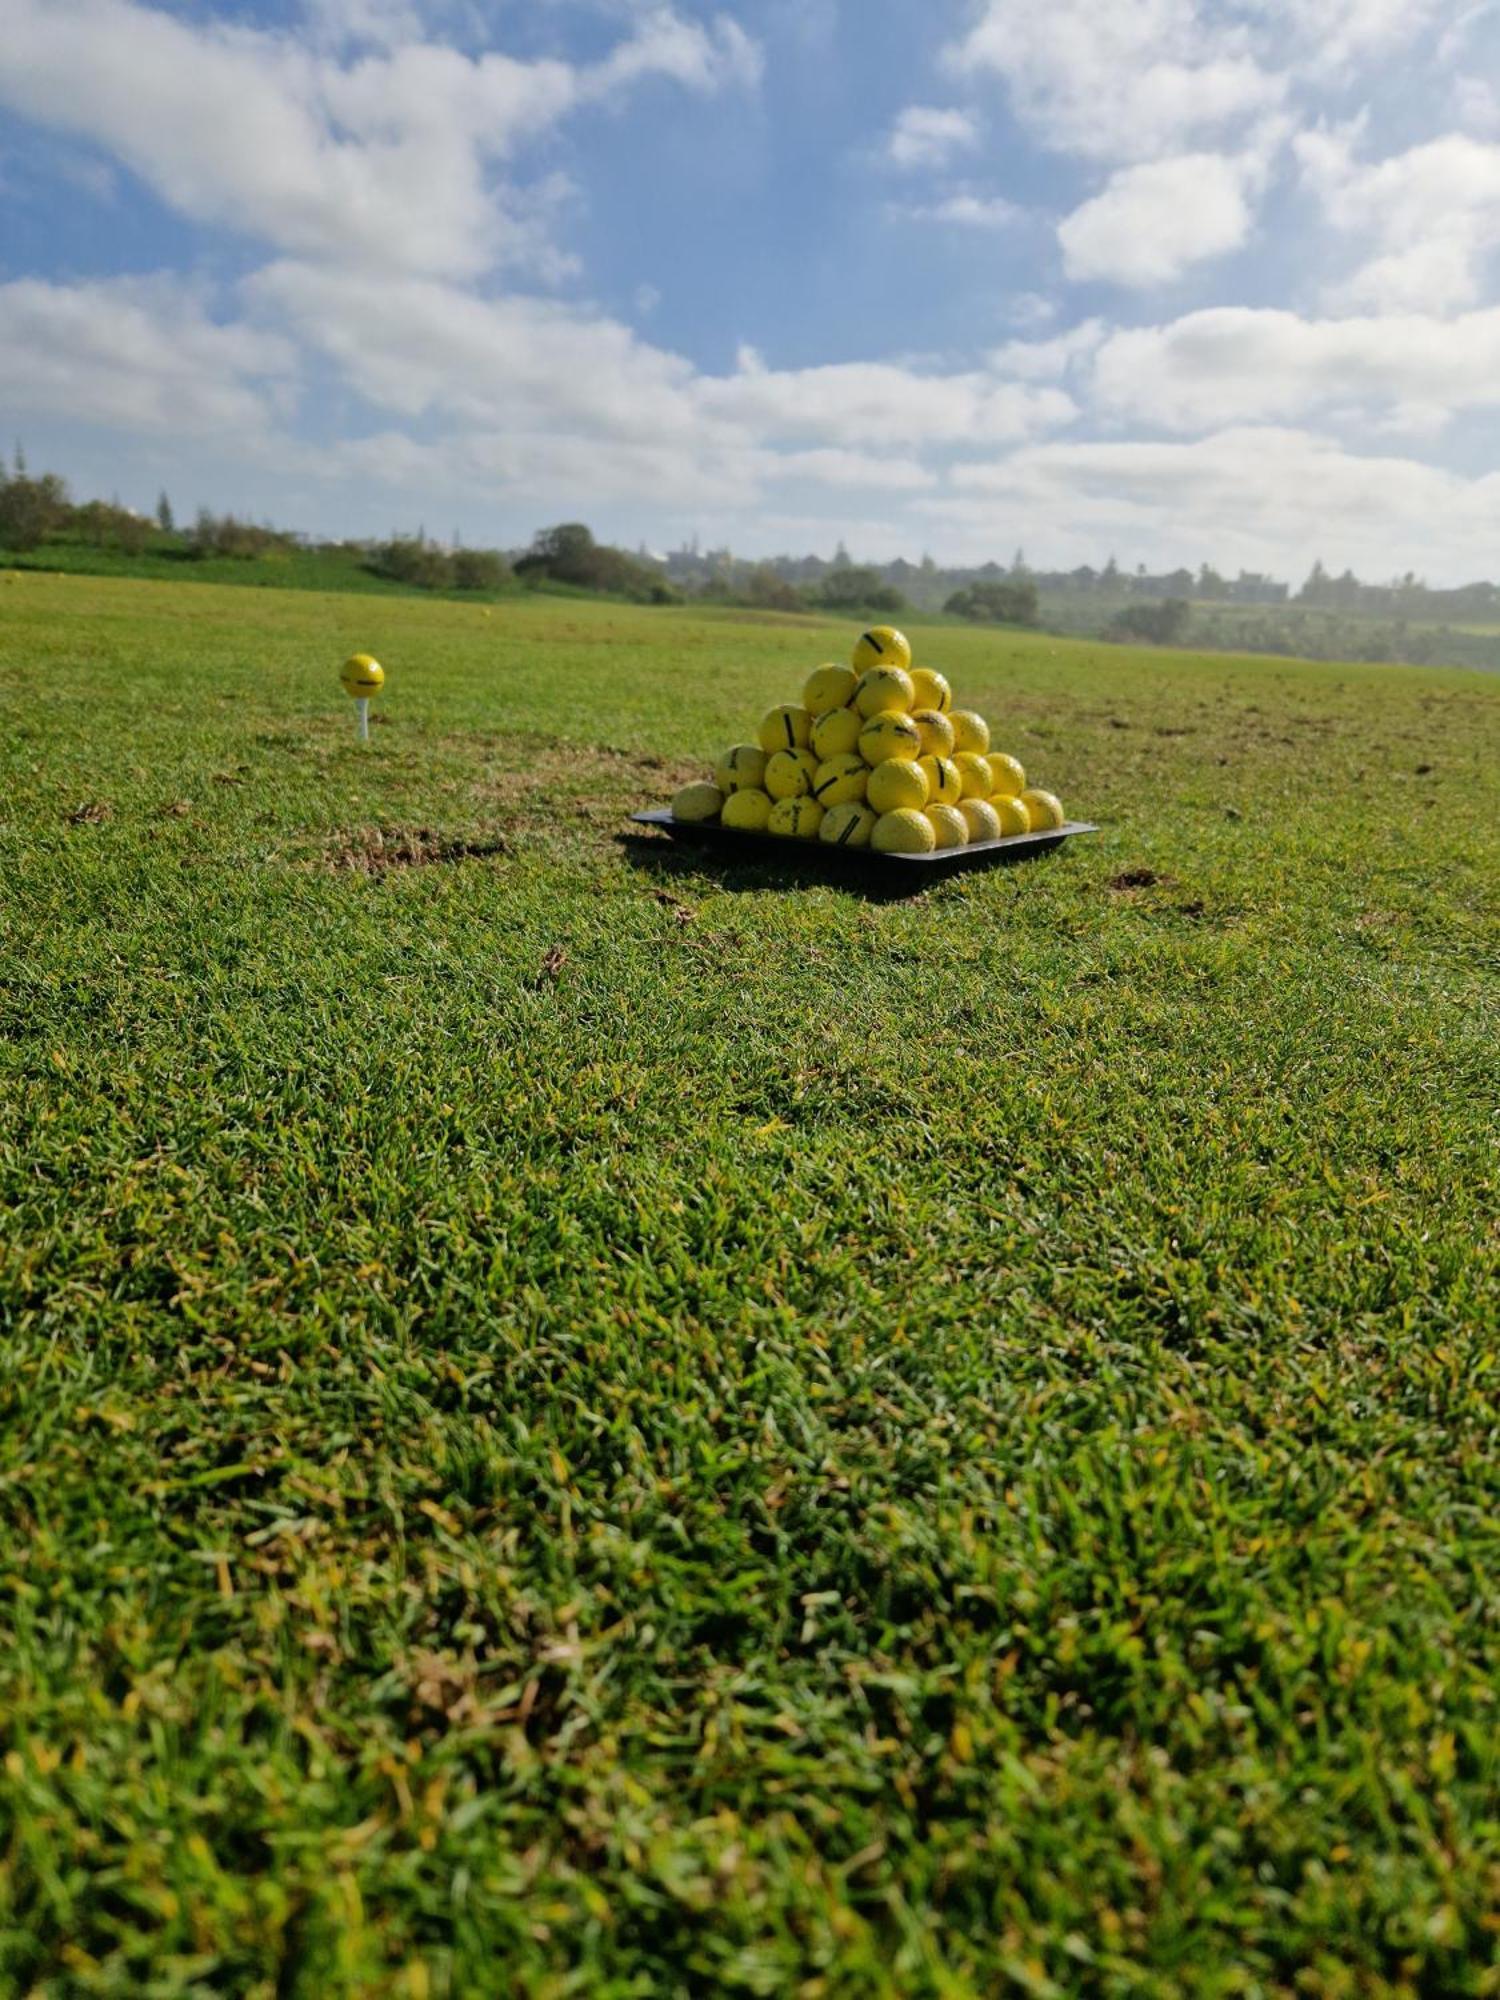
(318, 568)
(573, 1422)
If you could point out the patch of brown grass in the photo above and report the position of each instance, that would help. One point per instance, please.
(375, 850)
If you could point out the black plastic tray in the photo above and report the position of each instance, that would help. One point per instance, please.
(917, 867)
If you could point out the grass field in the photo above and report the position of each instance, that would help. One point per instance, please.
(294, 568)
(573, 1423)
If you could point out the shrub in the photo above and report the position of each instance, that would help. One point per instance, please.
(413, 560)
(769, 592)
(853, 587)
(109, 527)
(569, 554)
(227, 535)
(479, 569)
(30, 509)
(1157, 624)
(996, 603)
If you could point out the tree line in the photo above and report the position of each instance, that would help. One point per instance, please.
(1335, 616)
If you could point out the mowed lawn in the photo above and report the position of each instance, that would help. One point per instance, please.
(574, 1421)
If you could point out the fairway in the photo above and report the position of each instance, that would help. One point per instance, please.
(581, 1420)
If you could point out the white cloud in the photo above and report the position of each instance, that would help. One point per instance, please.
(1253, 497)
(925, 136)
(1234, 363)
(1155, 221)
(416, 348)
(136, 355)
(384, 160)
(700, 58)
(1327, 37)
(1131, 80)
(965, 211)
(878, 403)
(1431, 214)
(383, 22)
(1049, 360)
(1031, 309)
(1476, 106)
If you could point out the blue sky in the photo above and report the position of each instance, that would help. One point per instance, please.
(1177, 280)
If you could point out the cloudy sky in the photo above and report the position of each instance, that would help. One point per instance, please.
(1170, 279)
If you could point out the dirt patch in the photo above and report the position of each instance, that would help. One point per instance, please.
(594, 785)
(1137, 878)
(94, 812)
(375, 850)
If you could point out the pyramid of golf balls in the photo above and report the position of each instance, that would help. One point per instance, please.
(874, 755)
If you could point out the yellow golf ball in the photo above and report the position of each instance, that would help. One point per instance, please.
(790, 774)
(970, 731)
(882, 690)
(948, 826)
(697, 802)
(747, 811)
(945, 785)
(931, 689)
(897, 783)
(829, 687)
(937, 732)
(795, 819)
(842, 778)
(362, 675)
(904, 832)
(889, 735)
(1009, 780)
(742, 769)
(786, 728)
(848, 825)
(835, 732)
(881, 646)
(981, 819)
(1045, 810)
(974, 773)
(1012, 815)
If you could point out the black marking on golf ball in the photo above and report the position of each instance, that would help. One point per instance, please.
(791, 734)
(871, 640)
(848, 830)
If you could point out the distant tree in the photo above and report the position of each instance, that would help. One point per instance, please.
(996, 603)
(856, 587)
(1157, 624)
(413, 560)
(164, 516)
(479, 569)
(30, 509)
(770, 592)
(569, 554)
(564, 552)
(227, 535)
